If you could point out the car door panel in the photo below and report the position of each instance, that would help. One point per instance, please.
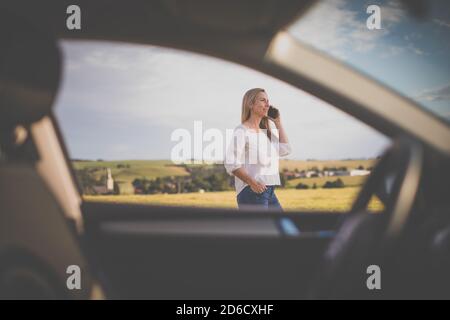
(178, 253)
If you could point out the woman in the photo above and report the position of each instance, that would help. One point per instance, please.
(253, 155)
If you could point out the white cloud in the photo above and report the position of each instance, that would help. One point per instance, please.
(332, 27)
(392, 13)
(442, 23)
(128, 93)
(435, 94)
(391, 51)
(418, 51)
(103, 59)
(324, 25)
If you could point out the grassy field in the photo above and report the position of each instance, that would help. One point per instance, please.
(320, 164)
(349, 181)
(160, 168)
(336, 200)
(149, 169)
(138, 168)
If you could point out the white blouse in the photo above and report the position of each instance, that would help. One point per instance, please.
(258, 155)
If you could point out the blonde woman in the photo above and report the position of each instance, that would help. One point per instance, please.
(253, 154)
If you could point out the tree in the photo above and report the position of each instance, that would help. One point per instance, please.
(87, 180)
(282, 180)
(116, 188)
(334, 184)
(302, 186)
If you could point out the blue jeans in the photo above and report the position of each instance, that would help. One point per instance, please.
(267, 200)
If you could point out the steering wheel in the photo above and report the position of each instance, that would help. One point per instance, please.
(359, 240)
(395, 180)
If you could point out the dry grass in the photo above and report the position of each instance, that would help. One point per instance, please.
(320, 164)
(336, 200)
(349, 181)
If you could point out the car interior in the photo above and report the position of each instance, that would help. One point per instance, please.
(156, 252)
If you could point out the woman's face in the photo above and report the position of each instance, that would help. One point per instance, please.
(261, 105)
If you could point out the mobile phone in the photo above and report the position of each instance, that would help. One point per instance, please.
(273, 112)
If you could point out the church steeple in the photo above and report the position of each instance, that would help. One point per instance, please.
(109, 181)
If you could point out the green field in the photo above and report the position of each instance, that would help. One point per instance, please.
(152, 169)
(149, 169)
(320, 164)
(335, 200)
(349, 181)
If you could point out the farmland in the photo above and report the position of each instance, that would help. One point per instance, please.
(124, 172)
(336, 200)
(315, 198)
(321, 164)
(349, 181)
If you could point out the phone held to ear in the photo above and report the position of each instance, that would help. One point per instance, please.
(273, 112)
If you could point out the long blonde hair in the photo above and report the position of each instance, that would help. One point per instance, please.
(247, 103)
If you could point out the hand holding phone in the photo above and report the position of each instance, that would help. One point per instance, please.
(273, 112)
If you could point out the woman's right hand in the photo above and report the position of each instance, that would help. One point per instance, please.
(258, 187)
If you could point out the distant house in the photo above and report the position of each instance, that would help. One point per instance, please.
(293, 174)
(289, 175)
(301, 174)
(341, 173)
(138, 190)
(359, 172)
(312, 174)
(100, 189)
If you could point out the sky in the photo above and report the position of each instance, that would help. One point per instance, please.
(123, 101)
(412, 56)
